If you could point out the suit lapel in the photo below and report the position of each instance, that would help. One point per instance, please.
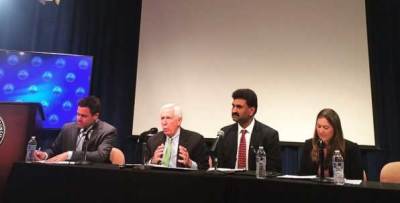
(253, 144)
(232, 143)
(254, 136)
(160, 140)
(183, 140)
(74, 138)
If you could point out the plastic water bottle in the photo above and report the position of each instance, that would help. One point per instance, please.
(338, 168)
(261, 163)
(30, 149)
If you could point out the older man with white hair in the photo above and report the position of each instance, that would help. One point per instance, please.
(175, 146)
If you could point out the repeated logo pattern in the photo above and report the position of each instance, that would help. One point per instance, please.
(57, 81)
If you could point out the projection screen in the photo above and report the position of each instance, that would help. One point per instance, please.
(298, 56)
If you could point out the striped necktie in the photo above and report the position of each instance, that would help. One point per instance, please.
(80, 140)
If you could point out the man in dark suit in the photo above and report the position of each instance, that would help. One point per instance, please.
(175, 146)
(70, 143)
(241, 140)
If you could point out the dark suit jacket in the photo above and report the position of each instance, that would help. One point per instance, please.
(262, 135)
(98, 148)
(192, 141)
(352, 161)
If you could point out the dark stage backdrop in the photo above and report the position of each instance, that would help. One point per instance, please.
(105, 29)
(109, 31)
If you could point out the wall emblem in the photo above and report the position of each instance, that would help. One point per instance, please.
(2, 130)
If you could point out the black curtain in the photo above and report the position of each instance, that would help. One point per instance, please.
(105, 29)
(383, 24)
(109, 31)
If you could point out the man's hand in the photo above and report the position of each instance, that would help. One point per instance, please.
(61, 157)
(39, 155)
(184, 157)
(156, 159)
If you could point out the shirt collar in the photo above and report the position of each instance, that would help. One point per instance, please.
(249, 128)
(177, 133)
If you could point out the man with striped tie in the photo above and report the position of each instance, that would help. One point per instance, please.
(240, 141)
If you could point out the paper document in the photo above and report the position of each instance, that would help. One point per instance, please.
(352, 182)
(57, 162)
(227, 169)
(297, 177)
(170, 168)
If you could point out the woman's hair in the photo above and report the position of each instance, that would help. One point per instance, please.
(337, 141)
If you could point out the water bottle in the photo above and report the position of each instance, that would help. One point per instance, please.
(338, 168)
(261, 163)
(30, 149)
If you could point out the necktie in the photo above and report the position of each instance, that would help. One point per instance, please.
(80, 141)
(167, 154)
(242, 151)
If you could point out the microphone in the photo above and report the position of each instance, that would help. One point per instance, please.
(142, 154)
(86, 134)
(143, 135)
(220, 135)
(321, 146)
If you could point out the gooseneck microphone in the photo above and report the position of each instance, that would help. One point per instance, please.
(142, 145)
(220, 135)
(86, 135)
(143, 136)
(321, 146)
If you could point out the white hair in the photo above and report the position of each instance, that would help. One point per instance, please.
(177, 109)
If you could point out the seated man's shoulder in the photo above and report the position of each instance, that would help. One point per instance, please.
(192, 134)
(70, 125)
(265, 127)
(105, 126)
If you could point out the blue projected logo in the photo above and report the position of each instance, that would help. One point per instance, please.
(23, 74)
(67, 106)
(8, 88)
(83, 64)
(56, 81)
(80, 91)
(12, 60)
(36, 61)
(33, 89)
(47, 76)
(53, 119)
(57, 90)
(70, 77)
(60, 63)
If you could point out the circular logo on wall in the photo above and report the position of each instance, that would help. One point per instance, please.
(2, 130)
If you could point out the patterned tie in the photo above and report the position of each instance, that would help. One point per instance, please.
(167, 154)
(80, 140)
(242, 151)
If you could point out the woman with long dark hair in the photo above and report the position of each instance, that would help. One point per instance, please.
(329, 129)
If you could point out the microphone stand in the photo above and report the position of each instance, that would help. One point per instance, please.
(144, 153)
(142, 146)
(321, 156)
(213, 153)
(85, 146)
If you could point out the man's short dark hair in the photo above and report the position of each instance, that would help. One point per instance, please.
(248, 95)
(91, 102)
